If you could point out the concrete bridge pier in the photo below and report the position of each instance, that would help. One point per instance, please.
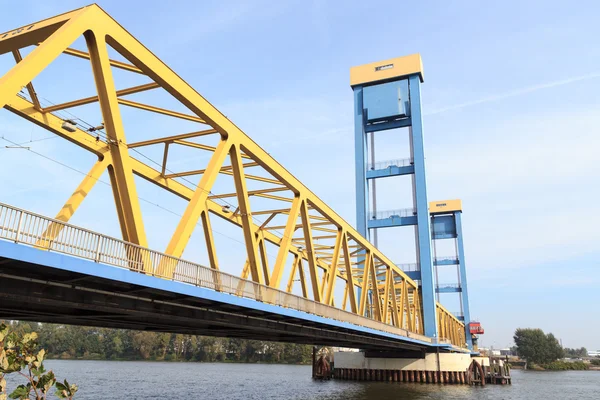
(448, 368)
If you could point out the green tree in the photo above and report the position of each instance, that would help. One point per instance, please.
(535, 346)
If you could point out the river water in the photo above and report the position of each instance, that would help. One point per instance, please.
(162, 380)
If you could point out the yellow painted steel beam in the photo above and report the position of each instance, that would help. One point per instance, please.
(312, 261)
(386, 295)
(25, 109)
(30, 88)
(256, 178)
(57, 33)
(333, 267)
(202, 171)
(350, 277)
(210, 240)
(246, 214)
(113, 63)
(286, 242)
(303, 283)
(395, 313)
(120, 171)
(273, 197)
(74, 201)
(365, 284)
(169, 139)
(158, 110)
(262, 250)
(250, 192)
(290, 284)
(190, 217)
(299, 226)
(31, 34)
(200, 146)
(93, 99)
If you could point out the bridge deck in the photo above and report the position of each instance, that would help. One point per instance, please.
(39, 285)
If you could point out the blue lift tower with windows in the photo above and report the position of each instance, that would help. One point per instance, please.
(387, 95)
(446, 224)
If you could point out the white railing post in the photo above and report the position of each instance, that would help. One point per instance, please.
(97, 257)
(197, 276)
(19, 226)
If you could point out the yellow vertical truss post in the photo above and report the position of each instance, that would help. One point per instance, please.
(312, 260)
(375, 295)
(395, 315)
(246, 214)
(402, 303)
(290, 283)
(303, 282)
(332, 273)
(419, 312)
(73, 203)
(286, 241)
(242, 283)
(120, 171)
(349, 275)
(407, 304)
(386, 295)
(262, 249)
(364, 293)
(210, 247)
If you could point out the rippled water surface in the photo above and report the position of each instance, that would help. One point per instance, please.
(157, 380)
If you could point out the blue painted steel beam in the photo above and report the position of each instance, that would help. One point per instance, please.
(439, 236)
(445, 261)
(448, 289)
(360, 164)
(390, 171)
(392, 222)
(463, 278)
(422, 205)
(414, 275)
(382, 126)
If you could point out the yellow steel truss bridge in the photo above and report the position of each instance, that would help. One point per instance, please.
(315, 246)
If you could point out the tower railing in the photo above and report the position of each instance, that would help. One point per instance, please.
(405, 162)
(406, 212)
(24, 227)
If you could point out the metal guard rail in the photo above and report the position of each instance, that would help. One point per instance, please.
(391, 163)
(406, 212)
(30, 229)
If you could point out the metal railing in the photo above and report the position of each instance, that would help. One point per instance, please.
(406, 212)
(409, 267)
(448, 286)
(446, 258)
(391, 163)
(31, 229)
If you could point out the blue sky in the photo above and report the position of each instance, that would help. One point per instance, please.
(511, 119)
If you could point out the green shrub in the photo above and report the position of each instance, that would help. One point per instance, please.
(565, 366)
(596, 361)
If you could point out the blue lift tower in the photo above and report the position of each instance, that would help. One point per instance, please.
(387, 95)
(446, 224)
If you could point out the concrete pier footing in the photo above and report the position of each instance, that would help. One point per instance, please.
(449, 368)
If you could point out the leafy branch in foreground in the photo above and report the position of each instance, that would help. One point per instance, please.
(19, 355)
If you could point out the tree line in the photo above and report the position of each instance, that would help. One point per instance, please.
(79, 342)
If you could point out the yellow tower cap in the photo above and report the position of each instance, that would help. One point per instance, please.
(386, 70)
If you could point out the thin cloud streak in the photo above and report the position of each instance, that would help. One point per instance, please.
(515, 93)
